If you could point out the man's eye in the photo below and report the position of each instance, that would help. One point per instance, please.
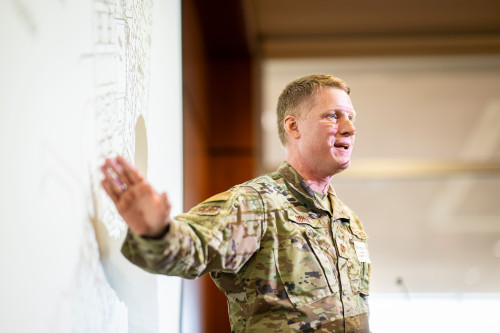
(332, 116)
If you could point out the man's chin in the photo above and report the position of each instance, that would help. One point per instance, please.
(341, 167)
(345, 165)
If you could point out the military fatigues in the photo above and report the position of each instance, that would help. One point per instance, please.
(287, 260)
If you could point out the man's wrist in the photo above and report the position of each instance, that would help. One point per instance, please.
(160, 234)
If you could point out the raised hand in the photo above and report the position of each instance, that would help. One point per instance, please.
(146, 212)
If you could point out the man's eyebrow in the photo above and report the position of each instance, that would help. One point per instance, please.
(350, 112)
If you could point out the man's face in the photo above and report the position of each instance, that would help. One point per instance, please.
(327, 132)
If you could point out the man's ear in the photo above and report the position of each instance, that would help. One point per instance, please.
(292, 126)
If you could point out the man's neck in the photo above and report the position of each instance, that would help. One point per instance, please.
(320, 186)
(315, 181)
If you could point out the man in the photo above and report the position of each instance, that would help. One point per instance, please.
(288, 254)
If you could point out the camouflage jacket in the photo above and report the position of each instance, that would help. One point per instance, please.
(286, 261)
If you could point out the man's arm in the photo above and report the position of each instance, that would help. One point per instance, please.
(219, 235)
(146, 212)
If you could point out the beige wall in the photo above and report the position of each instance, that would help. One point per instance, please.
(424, 179)
(425, 176)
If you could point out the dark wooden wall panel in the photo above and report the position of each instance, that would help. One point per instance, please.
(232, 103)
(219, 89)
(196, 159)
(227, 168)
(195, 108)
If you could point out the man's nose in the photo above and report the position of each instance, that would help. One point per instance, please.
(347, 128)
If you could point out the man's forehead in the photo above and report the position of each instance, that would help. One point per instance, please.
(335, 106)
(327, 99)
(332, 95)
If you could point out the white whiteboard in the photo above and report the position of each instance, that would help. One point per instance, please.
(83, 80)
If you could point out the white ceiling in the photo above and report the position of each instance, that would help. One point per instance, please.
(425, 176)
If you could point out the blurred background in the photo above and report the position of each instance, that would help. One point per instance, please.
(425, 175)
(186, 89)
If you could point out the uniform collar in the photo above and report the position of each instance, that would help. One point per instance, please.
(300, 189)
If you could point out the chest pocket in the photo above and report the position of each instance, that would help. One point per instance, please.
(352, 247)
(305, 270)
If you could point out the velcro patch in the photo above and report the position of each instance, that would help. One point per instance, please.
(302, 219)
(211, 210)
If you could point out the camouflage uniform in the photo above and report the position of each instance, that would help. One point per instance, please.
(286, 260)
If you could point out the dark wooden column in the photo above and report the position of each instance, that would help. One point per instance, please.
(220, 88)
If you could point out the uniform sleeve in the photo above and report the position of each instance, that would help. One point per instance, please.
(220, 234)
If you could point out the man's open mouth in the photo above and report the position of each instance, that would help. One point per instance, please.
(342, 145)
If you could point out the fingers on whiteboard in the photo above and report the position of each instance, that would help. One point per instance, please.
(120, 175)
(112, 179)
(133, 175)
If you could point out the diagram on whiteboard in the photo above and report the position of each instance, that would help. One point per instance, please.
(74, 90)
(122, 38)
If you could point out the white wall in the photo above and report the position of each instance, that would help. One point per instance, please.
(78, 78)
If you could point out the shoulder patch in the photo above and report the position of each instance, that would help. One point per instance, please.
(211, 210)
